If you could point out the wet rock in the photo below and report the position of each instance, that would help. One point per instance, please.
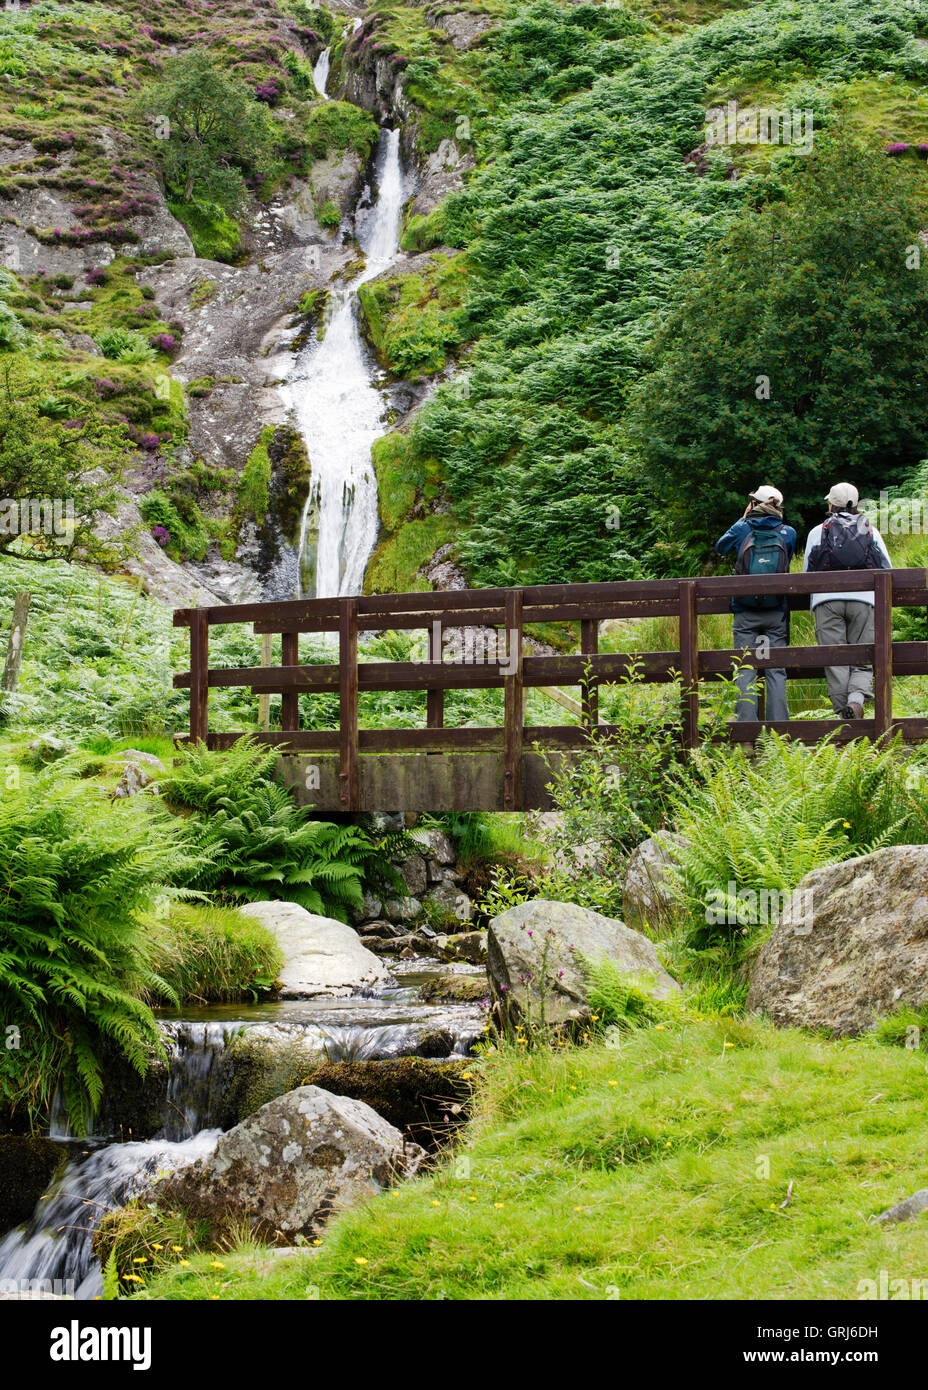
(648, 891)
(383, 928)
(850, 944)
(535, 953)
(470, 946)
(454, 989)
(425, 1099)
(439, 1043)
(27, 1165)
(321, 956)
(286, 1169)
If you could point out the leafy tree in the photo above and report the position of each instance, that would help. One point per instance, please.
(56, 475)
(208, 130)
(793, 355)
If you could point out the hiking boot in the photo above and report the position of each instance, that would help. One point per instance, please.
(852, 711)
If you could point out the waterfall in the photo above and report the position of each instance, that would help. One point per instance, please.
(339, 411)
(197, 1078)
(321, 72)
(53, 1251)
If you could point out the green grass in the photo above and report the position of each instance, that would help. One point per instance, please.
(208, 954)
(718, 1159)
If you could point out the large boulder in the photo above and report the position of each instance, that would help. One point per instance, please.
(535, 951)
(289, 1166)
(321, 956)
(850, 944)
(647, 895)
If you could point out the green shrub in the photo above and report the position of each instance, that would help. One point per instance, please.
(761, 825)
(83, 874)
(253, 842)
(209, 954)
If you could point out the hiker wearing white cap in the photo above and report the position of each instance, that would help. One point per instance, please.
(763, 544)
(845, 541)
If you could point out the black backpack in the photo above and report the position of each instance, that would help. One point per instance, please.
(847, 543)
(763, 551)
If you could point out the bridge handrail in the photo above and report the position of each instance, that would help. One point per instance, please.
(513, 609)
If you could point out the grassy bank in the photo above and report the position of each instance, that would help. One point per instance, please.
(706, 1160)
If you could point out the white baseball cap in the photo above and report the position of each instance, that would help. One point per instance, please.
(843, 495)
(771, 495)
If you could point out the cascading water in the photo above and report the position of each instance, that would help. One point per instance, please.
(340, 412)
(53, 1250)
(321, 72)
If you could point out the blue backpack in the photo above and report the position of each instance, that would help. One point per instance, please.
(763, 551)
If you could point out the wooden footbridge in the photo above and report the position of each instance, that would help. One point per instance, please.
(437, 768)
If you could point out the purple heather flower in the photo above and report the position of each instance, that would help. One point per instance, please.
(161, 534)
(899, 148)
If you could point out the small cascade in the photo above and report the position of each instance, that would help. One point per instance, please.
(340, 412)
(197, 1078)
(53, 1250)
(321, 72)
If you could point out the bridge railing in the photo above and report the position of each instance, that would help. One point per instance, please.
(454, 612)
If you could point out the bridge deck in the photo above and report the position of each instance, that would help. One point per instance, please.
(502, 768)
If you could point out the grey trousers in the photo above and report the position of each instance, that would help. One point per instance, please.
(836, 622)
(750, 629)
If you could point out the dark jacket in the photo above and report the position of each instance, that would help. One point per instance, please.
(731, 541)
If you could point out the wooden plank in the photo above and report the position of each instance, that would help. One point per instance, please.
(348, 701)
(514, 704)
(264, 698)
(589, 688)
(883, 652)
(689, 663)
(290, 701)
(802, 730)
(199, 676)
(16, 644)
(435, 699)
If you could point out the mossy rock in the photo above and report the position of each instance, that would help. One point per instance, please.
(454, 989)
(27, 1165)
(426, 1100)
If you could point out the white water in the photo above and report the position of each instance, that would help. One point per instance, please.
(321, 72)
(340, 412)
(54, 1249)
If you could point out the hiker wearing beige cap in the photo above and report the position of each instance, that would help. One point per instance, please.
(845, 541)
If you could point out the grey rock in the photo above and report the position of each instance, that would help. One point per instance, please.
(288, 1167)
(413, 873)
(402, 909)
(469, 946)
(370, 908)
(321, 956)
(438, 845)
(135, 755)
(533, 958)
(447, 897)
(851, 944)
(647, 895)
(906, 1209)
(135, 778)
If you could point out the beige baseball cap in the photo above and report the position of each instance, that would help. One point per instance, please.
(843, 495)
(771, 495)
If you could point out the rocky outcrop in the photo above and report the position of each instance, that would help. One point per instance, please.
(434, 895)
(647, 894)
(535, 954)
(321, 956)
(851, 944)
(424, 1099)
(286, 1169)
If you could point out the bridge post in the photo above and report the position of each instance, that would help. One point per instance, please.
(514, 716)
(348, 701)
(435, 699)
(199, 676)
(290, 700)
(589, 689)
(689, 663)
(882, 652)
